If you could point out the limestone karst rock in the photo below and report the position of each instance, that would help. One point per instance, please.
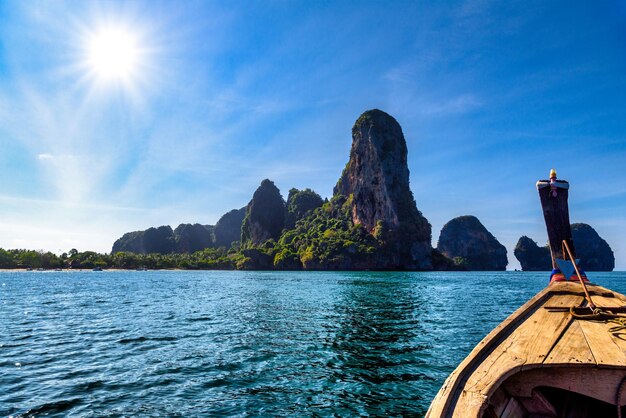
(467, 242)
(531, 256)
(130, 242)
(228, 228)
(376, 183)
(186, 238)
(153, 240)
(193, 237)
(594, 253)
(265, 215)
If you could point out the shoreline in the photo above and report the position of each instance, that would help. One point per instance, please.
(23, 270)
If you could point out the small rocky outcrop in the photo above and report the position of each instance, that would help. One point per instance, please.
(153, 240)
(376, 183)
(531, 256)
(255, 259)
(471, 246)
(186, 238)
(228, 228)
(299, 204)
(193, 237)
(594, 253)
(265, 215)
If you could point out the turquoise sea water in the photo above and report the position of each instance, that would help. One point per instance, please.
(182, 343)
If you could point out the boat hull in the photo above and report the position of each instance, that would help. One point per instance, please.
(538, 356)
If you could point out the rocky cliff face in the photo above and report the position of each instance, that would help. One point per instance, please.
(159, 240)
(470, 245)
(594, 253)
(153, 240)
(193, 237)
(228, 227)
(532, 257)
(265, 215)
(376, 183)
(130, 242)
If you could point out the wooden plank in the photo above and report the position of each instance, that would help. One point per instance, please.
(529, 344)
(471, 401)
(521, 342)
(602, 344)
(575, 288)
(617, 335)
(619, 298)
(448, 398)
(540, 333)
(572, 347)
(565, 300)
(605, 300)
(607, 349)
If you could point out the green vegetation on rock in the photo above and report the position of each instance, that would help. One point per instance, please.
(299, 204)
(209, 259)
(326, 239)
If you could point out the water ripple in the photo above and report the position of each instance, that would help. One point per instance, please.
(243, 343)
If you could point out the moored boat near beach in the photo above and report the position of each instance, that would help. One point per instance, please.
(562, 354)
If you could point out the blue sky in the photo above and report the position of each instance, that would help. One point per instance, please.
(490, 96)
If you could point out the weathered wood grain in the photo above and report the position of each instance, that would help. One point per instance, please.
(445, 403)
(572, 347)
(528, 345)
(535, 337)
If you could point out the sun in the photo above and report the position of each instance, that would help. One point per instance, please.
(113, 53)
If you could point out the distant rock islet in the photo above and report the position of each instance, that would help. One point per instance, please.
(593, 251)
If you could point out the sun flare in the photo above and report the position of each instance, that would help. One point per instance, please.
(113, 54)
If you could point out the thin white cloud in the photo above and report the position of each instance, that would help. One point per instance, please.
(85, 205)
(455, 105)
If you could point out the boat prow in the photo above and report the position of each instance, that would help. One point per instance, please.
(544, 361)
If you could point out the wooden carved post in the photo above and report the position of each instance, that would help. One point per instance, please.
(553, 194)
